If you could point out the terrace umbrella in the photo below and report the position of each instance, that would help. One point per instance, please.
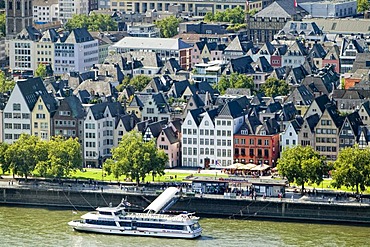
(249, 166)
(261, 167)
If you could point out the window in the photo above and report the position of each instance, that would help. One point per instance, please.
(17, 126)
(16, 107)
(40, 107)
(150, 110)
(189, 122)
(266, 142)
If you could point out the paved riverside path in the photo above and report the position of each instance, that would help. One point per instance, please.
(71, 185)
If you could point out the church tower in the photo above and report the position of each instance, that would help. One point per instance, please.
(18, 16)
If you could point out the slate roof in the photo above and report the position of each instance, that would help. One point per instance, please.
(241, 65)
(78, 35)
(317, 51)
(103, 88)
(251, 123)
(343, 25)
(304, 95)
(84, 96)
(355, 121)
(115, 109)
(171, 66)
(128, 121)
(178, 88)
(171, 135)
(231, 109)
(312, 121)
(30, 33)
(334, 114)
(31, 89)
(196, 115)
(322, 101)
(288, 112)
(333, 53)
(156, 128)
(262, 65)
(75, 105)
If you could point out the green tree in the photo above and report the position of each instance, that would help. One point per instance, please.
(168, 26)
(22, 156)
(63, 157)
(362, 5)
(2, 24)
(301, 165)
(139, 82)
(235, 15)
(135, 158)
(274, 87)
(352, 168)
(94, 22)
(41, 71)
(5, 84)
(209, 17)
(3, 161)
(235, 80)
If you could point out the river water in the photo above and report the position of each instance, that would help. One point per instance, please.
(48, 227)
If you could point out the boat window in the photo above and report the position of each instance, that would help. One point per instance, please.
(160, 226)
(125, 224)
(101, 222)
(105, 213)
(195, 226)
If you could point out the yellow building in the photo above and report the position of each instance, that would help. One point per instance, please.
(42, 114)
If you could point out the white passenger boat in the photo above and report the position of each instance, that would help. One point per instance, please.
(115, 220)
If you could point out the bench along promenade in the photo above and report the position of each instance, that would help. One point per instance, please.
(76, 195)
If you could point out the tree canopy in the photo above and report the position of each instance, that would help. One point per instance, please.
(5, 84)
(352, 168)
(235, 80)
(2, 24)
(135, 158)
(362, 5)
(41, 70)
(168, 26)
(232, 15)
(301, 165)
(139, 82)
(93, 22)
(29, 154)
(274, 87)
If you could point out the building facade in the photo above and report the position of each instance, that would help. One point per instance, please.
(18, 16)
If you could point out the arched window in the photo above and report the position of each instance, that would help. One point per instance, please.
(206, 123)
(189, 122)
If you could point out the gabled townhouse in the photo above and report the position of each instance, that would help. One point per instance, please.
(257, 142)
(196, 101)
(317, 106)
(207, 144)
(99, 126)
(68, 119)
(204, 51)
(363, 138)
(266, 51)
(75, 51)
(302, 98)
(364, 113)
(289, 137)
(316, 55)
(327, 132)
(236, 49)
(306, 135)
(42, 115)
(276, 57)
(17, 112)
(348, 51)
(227, 122)
(295, 55)
(168, 140)
(332, 58)
(153, 130)
(262, 70)
(123, 125)
(190, 136)
(150, 106)
(349, 132)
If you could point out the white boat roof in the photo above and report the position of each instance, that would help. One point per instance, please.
(162, 199)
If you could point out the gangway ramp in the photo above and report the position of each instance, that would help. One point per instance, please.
(167, 197)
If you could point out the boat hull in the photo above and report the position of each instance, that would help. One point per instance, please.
(138, 232)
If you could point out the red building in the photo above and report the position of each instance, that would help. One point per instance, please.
(256, 149)
(275, 61)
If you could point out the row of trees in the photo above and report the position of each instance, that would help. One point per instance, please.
(168, 26)
(30, 155)
(272, 87)
(135, 158)
(303, 165)
(93, 22)
(232, 15)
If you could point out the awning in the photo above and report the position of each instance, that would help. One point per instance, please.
(260, 167)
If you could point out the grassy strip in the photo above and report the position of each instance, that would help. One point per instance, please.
(96, 174)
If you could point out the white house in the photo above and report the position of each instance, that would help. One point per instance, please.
(68, 8)
(289, 137)
(98, 132)
(17, 112)
(45, 11)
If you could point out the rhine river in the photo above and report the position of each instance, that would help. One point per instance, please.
(48, 227)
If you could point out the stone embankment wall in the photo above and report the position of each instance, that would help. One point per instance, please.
(216, 207)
